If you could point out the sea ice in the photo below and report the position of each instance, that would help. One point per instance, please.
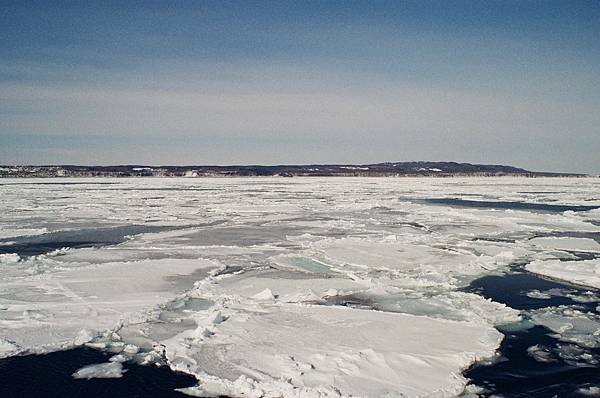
(290, 287)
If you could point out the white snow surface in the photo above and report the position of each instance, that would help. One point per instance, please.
(266, 287)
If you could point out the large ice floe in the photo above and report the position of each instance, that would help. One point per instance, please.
(584, 272)
(272, 287)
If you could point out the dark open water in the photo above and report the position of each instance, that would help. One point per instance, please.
(49, 376)
(517, 373)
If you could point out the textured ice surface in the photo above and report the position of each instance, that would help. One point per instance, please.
(290, 287)
(69, 307)
(331, 350)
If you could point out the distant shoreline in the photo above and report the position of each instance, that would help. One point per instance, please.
(388, 169)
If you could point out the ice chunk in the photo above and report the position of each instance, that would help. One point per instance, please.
(9, 258)
(570, 325)
(540, 353)
(84, 336)
(536, 294)
(109, 370)
(7, 348)
(266, 294)
(591, 391)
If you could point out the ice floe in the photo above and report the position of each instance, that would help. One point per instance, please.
(298, 350)
(584, 273)
(109, 370)
(570, 324)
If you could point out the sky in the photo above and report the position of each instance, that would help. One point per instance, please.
(300, 82)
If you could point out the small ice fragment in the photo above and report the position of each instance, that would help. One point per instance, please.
(131, 349)
(592, 391)
(218, 318)
(98, 346)
(84, 336)
(540, 353)
(6, 348)
(109, 370)
(536, 294)
(266, 294)
(118, 358)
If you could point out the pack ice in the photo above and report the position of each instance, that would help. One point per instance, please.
(269, 287)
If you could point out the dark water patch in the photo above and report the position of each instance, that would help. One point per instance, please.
(40, 244)
(229, 270)
(49, 376)
(386, 211)
(513, 289)
(496, 240)
(543, 192)
(559, 370)
(352, 301)
(486, 204)
(582, 256)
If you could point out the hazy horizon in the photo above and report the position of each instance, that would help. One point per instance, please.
(238, 83)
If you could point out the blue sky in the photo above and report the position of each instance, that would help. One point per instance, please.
(199, 82)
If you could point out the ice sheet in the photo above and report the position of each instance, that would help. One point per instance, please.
(298, 350)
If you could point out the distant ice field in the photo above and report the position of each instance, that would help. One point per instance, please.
(300, 287)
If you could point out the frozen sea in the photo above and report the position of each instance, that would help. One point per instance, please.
(300, 287)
